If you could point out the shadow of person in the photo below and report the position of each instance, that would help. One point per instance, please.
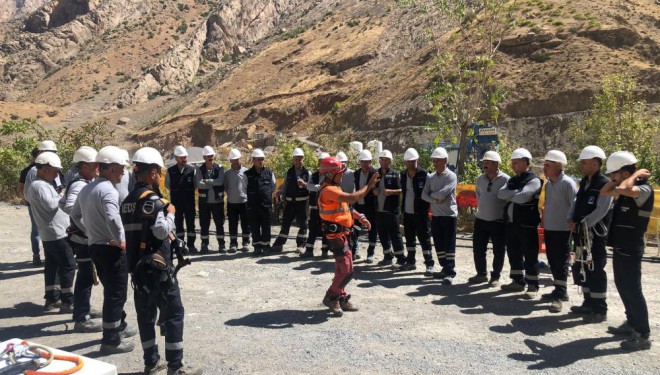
(369, 276)
(495, 301)
(35, 331)
(280, 319)
(563, 355)
(23, 309)
(540, 325)
(13, 274)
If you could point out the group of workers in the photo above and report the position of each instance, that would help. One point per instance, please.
(112, 223)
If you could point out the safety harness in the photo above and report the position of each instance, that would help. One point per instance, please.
(14, 352)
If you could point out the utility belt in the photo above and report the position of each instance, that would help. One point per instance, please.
(74, 230)
(153, 272)
(333, 228)
(343, 240)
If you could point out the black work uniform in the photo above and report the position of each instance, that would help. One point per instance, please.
(211, 202)
(181, 183)
(416, 222)
(314, 217)
(522, 238)
(367, 206)
(630, 220)
(155, 288)
(594, 287)
(260, 185)
(297, 206)
(387, 216)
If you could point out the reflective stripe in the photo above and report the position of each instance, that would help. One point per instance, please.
(205, 237)
(516, 272)
(180, 234)
(135, 227)
(598, 295)
(387, 251)
(298, 199)
(111, 325)
(644, 213)
(411, 248)
(585, 290)
(398, 252)
(331, 212)
(174, 345)
(192, 234)
(373, 244)
(83, 260)
(202, 195)
(309, 246)
(313, 207)
(52, 287)
(283, 236)
(233, 237)
(148, 344)
(560, 282)
(221, 237)
(427, 252)
(532, 277)
(301, 236)
(67, 290)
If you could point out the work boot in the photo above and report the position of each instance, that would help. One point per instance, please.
(307, 254)
(399, 265)
(370, 259)
(36, 261)
(594, 318)
(258, 251)
(205, 248)
(624, 329)
(128, 331)
(52, 306)
(513, 286)
(584, 308)
(357, 256)
(408, 267)
(430, 270)
(553, 296)
(276, 249)
(122, 347)
(440, 275)
(324, 254)
(192, 249)
(385, 262)
(185, 370)
(346, 305)
(477, 279)
(300, 249)
(245, 248)
(155, 369)
(636, 342)
(95, 314)
(556, 306)
(494, 282)
(532, 292)
(448, 280)
(333, 305)
(232, 249)
(87, 326)
(66, 308)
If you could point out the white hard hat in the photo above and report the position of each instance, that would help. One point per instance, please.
(439, 153)
(48, 158)
(410, 154)
(85, 154)
(323, 155)
(112, 155)
(47, 145)
(258, 153)
(234, 154)
(298, 152)
(591, 152)
(365, 155)
(208, 151)
(342, 157)
(492, 156)
(180, 151)
(556, 156)
(520, 153)
(618, 160)
(148, 155)
(386, 154)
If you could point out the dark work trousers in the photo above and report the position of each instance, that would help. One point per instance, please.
(59, 271)
(417, 226)
(34, 234)
(185, 211)
(559, 256)
(390, 236)
(294, 210)
(238, 212)
(315, 231)
(443, 229)
(522, 247)
(595, 286)
(112, 270)
(146, 307)
(260, 226)
(485, 231)
(370, 212)
(627, 265)
(217, 211)
(82, 290)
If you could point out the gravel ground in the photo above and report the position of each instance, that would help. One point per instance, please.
(247, 315)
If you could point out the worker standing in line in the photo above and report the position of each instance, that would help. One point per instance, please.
(388, 192)
(367, 205)
(295, 196)
(314, 225)
(210, 179)
(34, 232)
(124, 186)
(260, 186)
(236, 188)
(180, 181)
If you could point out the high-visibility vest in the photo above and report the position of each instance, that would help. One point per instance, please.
(334, 212)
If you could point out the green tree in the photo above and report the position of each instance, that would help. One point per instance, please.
(281, 160)
(620, 121)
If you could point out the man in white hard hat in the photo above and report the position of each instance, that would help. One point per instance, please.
(388, 193)
(489, 222)
(236, 188)
(260, 187)
(440, 192)
(96, 212)
(522, 193)
(123, 187)
(180, 181)
(45, 146)
(367, 205)
(313, 185)
(560, 193)
(210, 180)
(630, 219)
(415, 212)
(592, 210)
(347, 182)
(87, 169)
(59, 268)
(34, 232)
(295, 196)
(149, 223)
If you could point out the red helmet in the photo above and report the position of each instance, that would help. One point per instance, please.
(331, 165)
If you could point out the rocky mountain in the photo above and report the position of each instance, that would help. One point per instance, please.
(211, 71)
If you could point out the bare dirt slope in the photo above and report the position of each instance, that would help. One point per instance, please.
(246, 316)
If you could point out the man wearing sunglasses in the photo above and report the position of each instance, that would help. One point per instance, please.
(209, 180)
(180, 181)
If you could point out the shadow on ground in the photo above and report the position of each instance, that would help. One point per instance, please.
(546, 357)
(279, 319)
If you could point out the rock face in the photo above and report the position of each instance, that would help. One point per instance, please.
(13, 9)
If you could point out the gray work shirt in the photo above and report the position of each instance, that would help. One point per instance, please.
(96, 212)
(51, 221)
(204, 183)
(236, 185)
(519, 196)
(68, 201)
(409, 199)
(489, 206)
(70, 175)
(381, 191)
(31, 176)
(348, 181)
(441, 186)
(603, 205)
(363, 179)
(559, 196)
(123, 187)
